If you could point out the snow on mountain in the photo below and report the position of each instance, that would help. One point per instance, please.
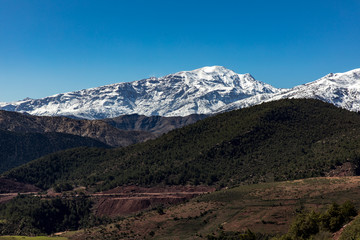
(340, 89)
(201, 91)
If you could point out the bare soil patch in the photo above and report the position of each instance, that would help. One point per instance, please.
(10, 188)
(131, 199)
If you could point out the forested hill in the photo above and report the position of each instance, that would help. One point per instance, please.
(281, 140)
(18, 148)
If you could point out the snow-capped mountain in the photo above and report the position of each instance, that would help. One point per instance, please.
(340, 89)
(205, 90)
(201, 91)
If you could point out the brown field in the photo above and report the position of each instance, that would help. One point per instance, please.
(266, 208)
(123, 201)
(186, 212)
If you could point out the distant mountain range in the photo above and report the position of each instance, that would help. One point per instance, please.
(206, 90)
(340, 89)
(96, 129)
(202, 91)
(116, 132)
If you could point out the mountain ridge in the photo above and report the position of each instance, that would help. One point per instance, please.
(200, 91)
(339, 89)
(206, 90)
(95, 129)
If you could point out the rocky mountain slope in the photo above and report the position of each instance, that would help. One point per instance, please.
(25, 137)
(201, 91)
(155, 124)
(206, 90)
(340, 89)
(99, 130)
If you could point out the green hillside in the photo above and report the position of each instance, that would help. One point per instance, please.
(282, 140)
(19, 148)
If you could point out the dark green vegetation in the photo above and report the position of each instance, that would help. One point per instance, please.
(248, 235)
(282, 140)
(29, 215)
(25, 137)
(306, 225)
(19, 148)
(352, 232)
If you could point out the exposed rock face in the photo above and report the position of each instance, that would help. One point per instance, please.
(99, 130)
(154, 124)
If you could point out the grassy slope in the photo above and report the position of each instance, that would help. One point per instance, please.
(352, 230)
(266, 208)
(287, 139)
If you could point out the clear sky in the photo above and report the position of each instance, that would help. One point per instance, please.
(54, 46)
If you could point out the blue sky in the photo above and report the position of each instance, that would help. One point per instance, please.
(54, 46)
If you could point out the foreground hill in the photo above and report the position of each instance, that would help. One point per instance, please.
(266, 209)
(282, 140)
(19, 148)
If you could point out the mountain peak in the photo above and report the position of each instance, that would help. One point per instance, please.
(205, 90)
(349, 79)
(207, 71)
(212, 69)
(355, 73)
(200, 91)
